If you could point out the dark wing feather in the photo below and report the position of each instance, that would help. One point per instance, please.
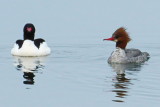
(37, 42)
(20, 43)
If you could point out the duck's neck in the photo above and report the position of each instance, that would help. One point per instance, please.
(121, 44)
(29, 37)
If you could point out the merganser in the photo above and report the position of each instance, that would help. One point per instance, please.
(30, 46)
(123, 55)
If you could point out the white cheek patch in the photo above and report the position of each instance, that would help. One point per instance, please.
(115, 40)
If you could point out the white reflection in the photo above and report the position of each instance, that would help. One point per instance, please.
(121, 83)
(29, 66)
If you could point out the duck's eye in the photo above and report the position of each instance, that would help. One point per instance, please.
(117, 36)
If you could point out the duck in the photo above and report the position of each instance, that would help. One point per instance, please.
(122, 55)
(29, 46)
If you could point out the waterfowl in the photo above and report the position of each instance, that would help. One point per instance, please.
(30, 46)
(123, 55)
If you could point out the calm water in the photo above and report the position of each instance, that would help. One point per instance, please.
(77, 74)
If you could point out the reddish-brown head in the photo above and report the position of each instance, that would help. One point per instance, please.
(121, 37)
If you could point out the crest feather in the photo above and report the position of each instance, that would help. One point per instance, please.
(122, 33)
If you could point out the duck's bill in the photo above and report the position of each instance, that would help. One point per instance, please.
(111, 39)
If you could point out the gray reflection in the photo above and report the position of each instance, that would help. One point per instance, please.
(29, 66)
(121, 68)
(121, 83)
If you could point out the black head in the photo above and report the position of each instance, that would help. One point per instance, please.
(29, 31)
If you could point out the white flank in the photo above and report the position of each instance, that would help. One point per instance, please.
(29, 49)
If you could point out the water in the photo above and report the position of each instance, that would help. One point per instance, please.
(77, 74)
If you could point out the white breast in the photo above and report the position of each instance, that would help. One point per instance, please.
(29, 49)
(118, 56)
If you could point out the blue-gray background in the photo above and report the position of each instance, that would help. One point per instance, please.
(77, 74)
(77, 18)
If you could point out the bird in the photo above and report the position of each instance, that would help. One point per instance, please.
(121, 54)
(29, 46)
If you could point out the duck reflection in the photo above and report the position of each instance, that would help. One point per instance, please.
(29, 66)
(120, 82)
(29, 76)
